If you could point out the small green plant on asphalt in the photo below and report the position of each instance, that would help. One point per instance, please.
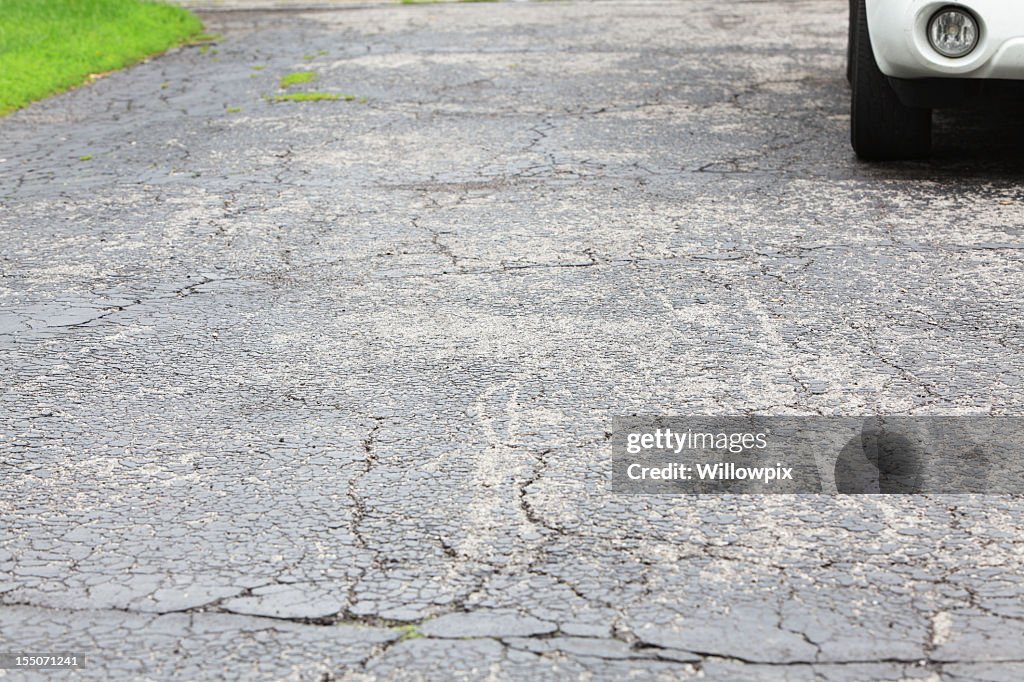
(297, 78)
(409, 632)
(233, 110)
(87, 157)
(301, 78)
(47, 46)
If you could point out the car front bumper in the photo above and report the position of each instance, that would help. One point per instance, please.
(899, 39)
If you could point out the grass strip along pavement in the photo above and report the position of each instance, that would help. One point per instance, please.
(47, 46)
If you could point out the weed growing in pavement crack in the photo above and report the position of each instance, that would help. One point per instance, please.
(297, 78)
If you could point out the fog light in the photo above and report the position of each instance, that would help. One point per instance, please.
(953, 32)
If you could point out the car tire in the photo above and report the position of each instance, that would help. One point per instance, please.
(850, 38)
(882, 128)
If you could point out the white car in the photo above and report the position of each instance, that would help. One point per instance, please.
(907, 57)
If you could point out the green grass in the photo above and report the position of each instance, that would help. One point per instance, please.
(47, 46)
(297, 78)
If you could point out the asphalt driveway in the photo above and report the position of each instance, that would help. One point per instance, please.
(321, 389)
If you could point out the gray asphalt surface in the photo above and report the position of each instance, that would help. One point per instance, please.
(321, 390)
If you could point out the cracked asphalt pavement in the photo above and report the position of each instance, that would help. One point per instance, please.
(322, 390)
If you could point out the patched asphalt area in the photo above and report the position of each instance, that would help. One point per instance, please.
(321, 390)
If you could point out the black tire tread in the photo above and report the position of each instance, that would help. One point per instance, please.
(850, 38)
(882, 127)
